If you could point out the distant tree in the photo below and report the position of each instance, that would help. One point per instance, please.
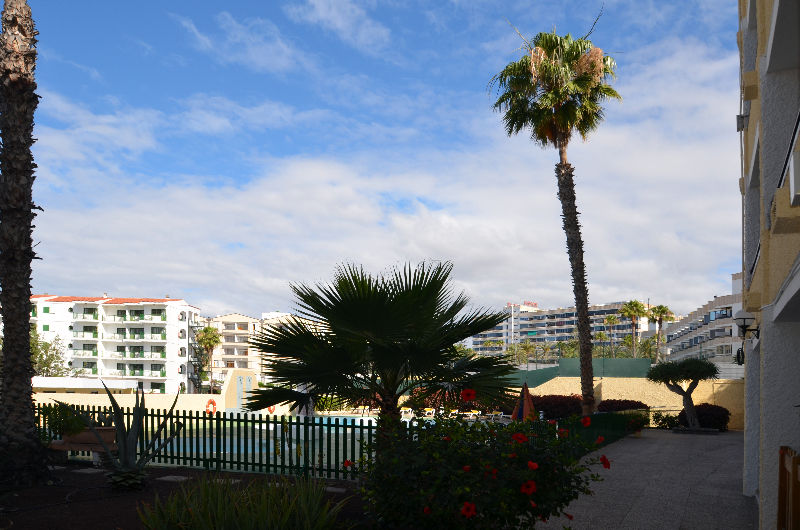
(492, 345)
(647, 348)
(601, 336)
(554, 91)
(661, 314)
(521, 352)
(48, 357)
(610, 321)
(634, 310)
(674, 373)
(207, 338)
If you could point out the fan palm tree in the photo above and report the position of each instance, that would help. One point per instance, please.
(207, 339)
(22, 461)
(601, 336)
(661, 314)
(610, 321)
(555, 91)
(374, 339)
(634, 310)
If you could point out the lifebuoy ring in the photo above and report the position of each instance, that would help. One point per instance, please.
(271, 409)
(211, 407)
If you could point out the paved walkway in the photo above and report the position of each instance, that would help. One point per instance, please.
(666, 480)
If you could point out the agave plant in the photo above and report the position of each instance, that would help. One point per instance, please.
(128, 467)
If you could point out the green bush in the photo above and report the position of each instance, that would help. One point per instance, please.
(557, 407)
(212, 503)
(710, 416)
(614, 405)
(455, 474)
(663, 420)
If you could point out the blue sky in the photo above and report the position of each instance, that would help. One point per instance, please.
(219, 152)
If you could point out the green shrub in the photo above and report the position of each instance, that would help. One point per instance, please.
(556, 407)
(663, 420)
(455, 474)
(710, 416)
(212, 503)
(614, 405)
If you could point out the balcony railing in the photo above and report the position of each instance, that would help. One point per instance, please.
(157, 373)
(115, 372)
(86, 316)
(136, 373)
(85, 334)
(135, 318)
(115, 336)
(83, 353)
(136, 354)
(115, 318)
(162, 318)
(156, 336)
(136, 336)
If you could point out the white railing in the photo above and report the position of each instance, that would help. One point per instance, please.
(85, 334)
(114, 336)
(156, 336)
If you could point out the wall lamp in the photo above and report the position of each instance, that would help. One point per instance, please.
(745, 322)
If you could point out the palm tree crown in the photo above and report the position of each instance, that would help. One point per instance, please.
(660, 313)
(555, 90)
(367, 338)
(634, 310)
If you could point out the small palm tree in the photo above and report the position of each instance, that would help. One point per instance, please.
(378, 338)
(601, 336)
(555, 91)
(610, 321)
(634, 310)
(22, 461)
(207, 338)
(660, 314)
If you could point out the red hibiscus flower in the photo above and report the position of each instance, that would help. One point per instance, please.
(426, 510)
(605, 461)
(568, 516)
(528, 487)
(563, 433)
(599, 440)
(466, 469)
(347, 463)
(533, 465)
(586, 421)
(512, 455)
(519, 437)
(468, 510)
(468, 394)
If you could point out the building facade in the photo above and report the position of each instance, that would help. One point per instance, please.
(145, 340)
(709, 332)
(769, 53)
(527, 322)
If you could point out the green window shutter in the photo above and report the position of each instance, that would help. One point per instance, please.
(46, 327)
(45, 309)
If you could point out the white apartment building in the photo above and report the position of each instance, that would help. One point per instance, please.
(234, 351)
(527, 322)
(708, 332)
(146, 340)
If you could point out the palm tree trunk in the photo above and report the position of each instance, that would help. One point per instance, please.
(658, 340)
(633, 335)
(572, 229)
(22, 460)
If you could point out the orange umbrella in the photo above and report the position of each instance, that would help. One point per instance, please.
(524, 409)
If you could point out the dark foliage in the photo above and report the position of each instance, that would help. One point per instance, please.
(555, 407)
(710, 416)
(614, 405)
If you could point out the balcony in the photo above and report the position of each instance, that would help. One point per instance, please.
(115, 336)
(83, 353)
(160, 318)
(156, 336)
(136, 336)
(117, 373)
(85, 316)
(135, 354)
(135, 373)
(135, 317)
(156, 373)
(84, 334)
(115, 318)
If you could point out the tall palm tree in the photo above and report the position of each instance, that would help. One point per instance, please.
(22, 460)
(610, 321)
(601, 336)
(555, 91)
(661, 314)
(377, 338)
(207, 339)
(634, 310)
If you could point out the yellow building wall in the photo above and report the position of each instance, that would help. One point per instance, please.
(728, 393)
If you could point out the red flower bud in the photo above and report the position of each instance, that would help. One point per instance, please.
(533, 465)
(586, 421)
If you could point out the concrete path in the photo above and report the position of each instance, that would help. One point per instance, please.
(666, 480)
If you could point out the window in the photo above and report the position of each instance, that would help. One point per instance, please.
(157, 386)
(121, 367)
(230, 364)
(229, 338)
(241, 364)
(46, 327)
(241, 326)
(229, 351)
(230, 326)
(45, 309)
(156, 330)
(156, 367)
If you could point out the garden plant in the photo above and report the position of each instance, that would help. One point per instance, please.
(709, 417)
(674, 373)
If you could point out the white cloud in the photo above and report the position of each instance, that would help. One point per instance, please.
(255, 43)
(347, 20)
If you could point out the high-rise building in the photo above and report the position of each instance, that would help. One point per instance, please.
(527, 322)
(709, 332)
(146, 340)
(769, 123)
